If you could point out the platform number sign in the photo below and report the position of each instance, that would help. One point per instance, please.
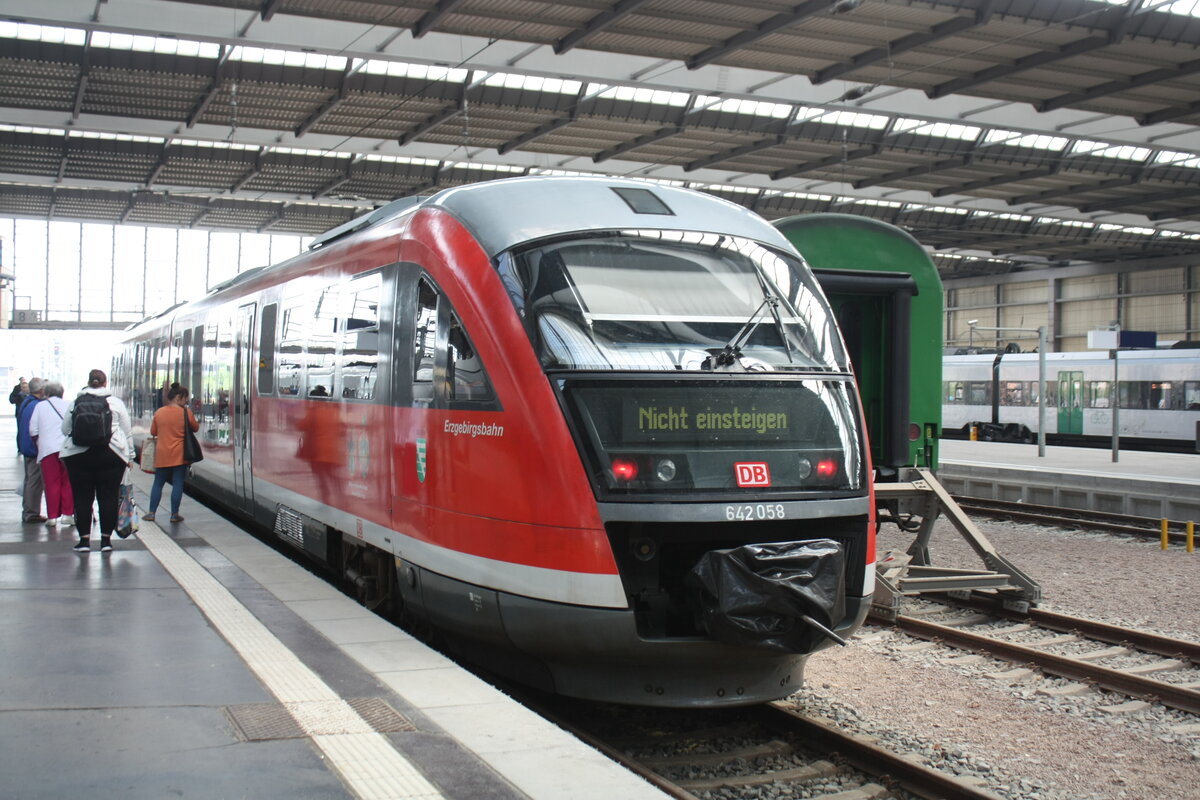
(421, 460)
(752, 473)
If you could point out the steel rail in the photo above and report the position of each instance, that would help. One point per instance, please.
(1091, 628)
(871, 759)
(1168, 694)
(1084, 518)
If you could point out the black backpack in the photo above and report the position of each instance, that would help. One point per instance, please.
(91, 421)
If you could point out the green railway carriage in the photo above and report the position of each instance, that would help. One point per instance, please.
(887, 296)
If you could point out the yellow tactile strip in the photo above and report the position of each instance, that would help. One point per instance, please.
(366, 761)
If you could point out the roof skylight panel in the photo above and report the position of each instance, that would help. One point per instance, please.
(1035, 141)
(852, 119)
(944, 130)
(1175, 158)
(401, 69)
(41, 33)
(637, 94)
(512, 80)
(1105, 150)
(1184, 8)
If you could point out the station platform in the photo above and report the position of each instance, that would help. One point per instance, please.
(195, 661)
(1144, 484)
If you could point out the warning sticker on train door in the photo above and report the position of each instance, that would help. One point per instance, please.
(421, 460)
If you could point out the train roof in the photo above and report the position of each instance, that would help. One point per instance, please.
(504, 213)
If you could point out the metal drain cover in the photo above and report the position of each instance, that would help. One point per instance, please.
(257, 722)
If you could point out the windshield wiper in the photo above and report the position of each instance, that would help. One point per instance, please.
(732, 351)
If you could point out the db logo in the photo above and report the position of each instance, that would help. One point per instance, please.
(752, 473)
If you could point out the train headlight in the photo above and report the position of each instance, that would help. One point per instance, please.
(805, 467)
(665, 470)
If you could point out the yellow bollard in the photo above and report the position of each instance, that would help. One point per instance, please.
(1191, 537)
(1164, 534)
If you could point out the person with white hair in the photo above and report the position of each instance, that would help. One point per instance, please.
(31, 497)
(46, 429)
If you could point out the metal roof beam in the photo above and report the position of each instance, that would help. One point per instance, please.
(736, 152)
(85, 69)
(772, 26)
(1167, 114)
(1135, 200)
(997, 180)
(1115, 33)
(600, 22)
(62, 161)
(160, 166)
(913, 41)
(329, 105)
(250, 175)
(829, 161)
(545, 129)
(640, 141)
(432, 17)
(912, 172)
(1113, 87)
(269, 7)
(1176, 214)
(214, 86)
(1051, 194)
(445, 115)
(276, 217)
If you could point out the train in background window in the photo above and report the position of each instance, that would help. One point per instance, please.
(1158, 396)
(550, 419)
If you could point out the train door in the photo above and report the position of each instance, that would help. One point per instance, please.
(1070, 402)
(243, 369)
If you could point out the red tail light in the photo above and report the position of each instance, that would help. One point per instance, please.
(624, 469)
(827, 468)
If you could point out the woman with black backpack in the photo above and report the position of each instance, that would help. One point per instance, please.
(97, 451)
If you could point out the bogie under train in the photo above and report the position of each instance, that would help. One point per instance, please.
(602, 432)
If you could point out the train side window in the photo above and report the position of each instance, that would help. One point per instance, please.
(197, 368)
(266, 349)
(425, 341)
(465, 377)
(360, 338)
(185, 358)
(1014, 394)
(291, 347)
(1191, 395)
(1097, 394)
(322, 344)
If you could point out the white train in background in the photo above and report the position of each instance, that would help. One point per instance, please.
(998, 393)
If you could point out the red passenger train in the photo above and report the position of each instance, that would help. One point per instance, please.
(601, 433)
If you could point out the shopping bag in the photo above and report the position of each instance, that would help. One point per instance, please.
(127, 512)
(149, 449)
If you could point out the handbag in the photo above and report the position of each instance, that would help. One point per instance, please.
(191, 445)
(127, 514)
(149, 451)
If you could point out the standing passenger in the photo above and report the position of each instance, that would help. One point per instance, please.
(98, 450)
(46, 430)
(169, 465)
(31, 496)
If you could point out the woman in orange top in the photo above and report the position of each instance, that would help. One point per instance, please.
(169, 465)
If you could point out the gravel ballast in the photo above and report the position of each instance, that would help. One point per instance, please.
(1007, 732)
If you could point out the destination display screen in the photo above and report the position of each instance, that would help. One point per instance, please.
(691, 436)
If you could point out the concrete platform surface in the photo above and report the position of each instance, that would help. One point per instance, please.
(195, 661)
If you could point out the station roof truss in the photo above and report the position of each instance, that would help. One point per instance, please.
(1004, 134)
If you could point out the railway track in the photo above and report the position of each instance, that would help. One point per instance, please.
(771, 750)
(1083, 519)
(1135, 663)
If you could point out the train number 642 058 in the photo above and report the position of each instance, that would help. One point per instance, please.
(743, 513)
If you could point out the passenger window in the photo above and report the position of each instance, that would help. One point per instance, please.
(322, 344)
(291, 347)
(360, 338)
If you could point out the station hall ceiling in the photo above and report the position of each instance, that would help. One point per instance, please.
(1007, 135)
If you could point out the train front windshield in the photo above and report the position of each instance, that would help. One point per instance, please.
(752, 388)
(671, 301)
